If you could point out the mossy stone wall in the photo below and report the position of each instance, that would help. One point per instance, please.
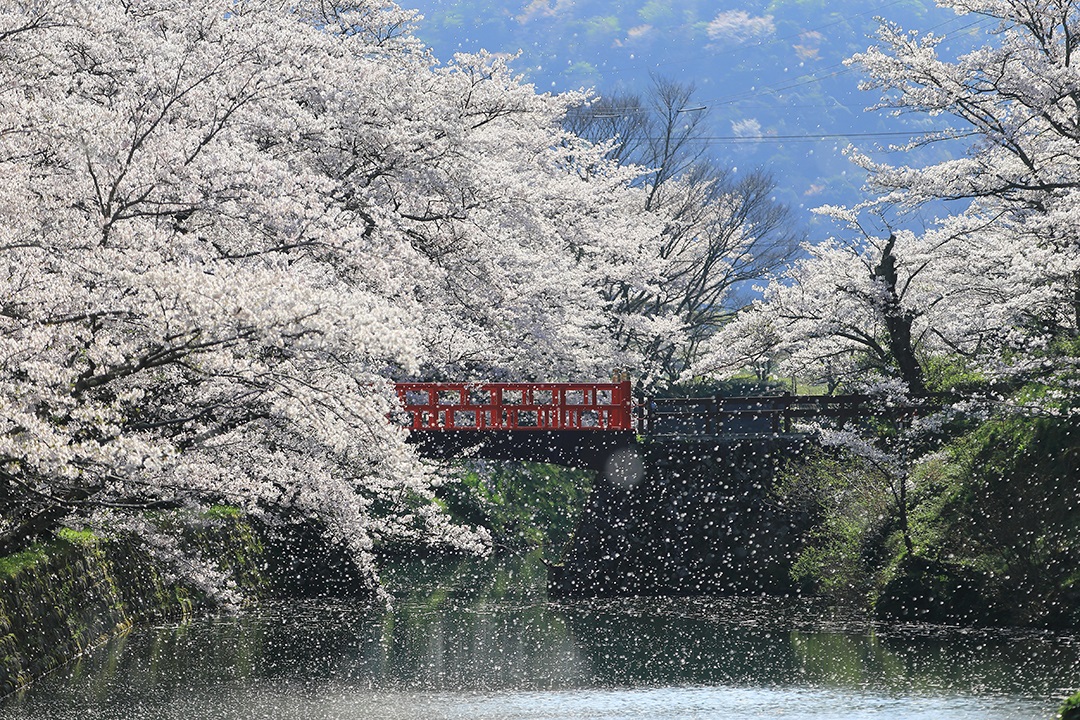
(61, 598)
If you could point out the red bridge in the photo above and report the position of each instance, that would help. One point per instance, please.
(517, 406)
(573, 424)
(609, 407)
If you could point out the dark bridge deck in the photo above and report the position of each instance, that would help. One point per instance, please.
(570, 448)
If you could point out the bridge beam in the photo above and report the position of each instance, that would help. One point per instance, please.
(587, 449)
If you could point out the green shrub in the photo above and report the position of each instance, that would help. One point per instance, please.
(524, 505)
(1010, 508)
(12, 565)
(1070, 708)
(993, 527)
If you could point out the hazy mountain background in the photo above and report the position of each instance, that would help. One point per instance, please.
(771, 75)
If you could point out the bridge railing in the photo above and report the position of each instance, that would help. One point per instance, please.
(516, 406)
(453, 406)
(757, 414)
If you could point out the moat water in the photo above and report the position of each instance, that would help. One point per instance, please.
(481, 640)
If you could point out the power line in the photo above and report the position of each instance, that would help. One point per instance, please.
(945, 134)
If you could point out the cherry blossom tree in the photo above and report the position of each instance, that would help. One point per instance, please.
(993, 285)
(886, 310)
(1016, 98)
(228, 225)
(977, 310)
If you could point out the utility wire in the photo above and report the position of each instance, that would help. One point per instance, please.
(944, 134)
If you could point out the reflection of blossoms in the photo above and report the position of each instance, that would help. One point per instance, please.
(737, 27)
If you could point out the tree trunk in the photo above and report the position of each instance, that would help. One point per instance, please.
(898, 323)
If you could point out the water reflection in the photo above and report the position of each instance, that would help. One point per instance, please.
(480, 641)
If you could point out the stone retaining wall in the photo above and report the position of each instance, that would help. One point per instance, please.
(702, 521)
(61, 598)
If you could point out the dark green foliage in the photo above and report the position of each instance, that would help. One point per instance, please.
(1008, 506)
(951, 374)
(524, 505)
(855, 513)
(993, 522)
(919, 589)
(1070, 708)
